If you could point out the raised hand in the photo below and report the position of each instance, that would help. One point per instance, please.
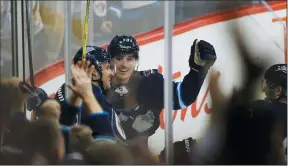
(81, 79)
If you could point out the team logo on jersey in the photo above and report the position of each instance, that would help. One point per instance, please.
(89, 49)
(122, 90)
(144, 122)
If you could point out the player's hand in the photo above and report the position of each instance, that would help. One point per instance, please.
(81, 79)
(106, 27)
(202, 54)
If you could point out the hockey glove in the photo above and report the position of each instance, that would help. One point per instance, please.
(202, 55)
(182, 151)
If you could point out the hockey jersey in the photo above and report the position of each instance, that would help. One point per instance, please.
(133, 110)
(139, 103)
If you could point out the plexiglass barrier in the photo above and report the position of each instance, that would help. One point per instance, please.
(203, 20)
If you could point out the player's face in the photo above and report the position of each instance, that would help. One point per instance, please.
(271, 93)
(107, 73)
(125, 65)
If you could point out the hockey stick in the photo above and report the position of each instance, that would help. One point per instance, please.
(86, 30)
(85, 42)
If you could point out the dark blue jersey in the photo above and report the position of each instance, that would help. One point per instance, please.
(135, 108)
(139, 103)
(69, 112)
(275, 110)
(151, 89)
(100, 123)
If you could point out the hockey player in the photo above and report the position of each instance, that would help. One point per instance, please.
(95, 110)
(146, 112)
(102, 73)
(275, 89)
(274, 86)
(101, 76)
(137, 96)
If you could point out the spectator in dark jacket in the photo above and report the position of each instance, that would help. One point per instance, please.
(106, 20)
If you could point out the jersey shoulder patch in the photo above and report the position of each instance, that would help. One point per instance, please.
(149, 72)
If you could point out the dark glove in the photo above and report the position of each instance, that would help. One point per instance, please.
(182, 151)
(202, 55)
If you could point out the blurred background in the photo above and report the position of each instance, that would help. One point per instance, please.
(107, 18)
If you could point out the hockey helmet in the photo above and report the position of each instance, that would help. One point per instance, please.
(96, 55)
(123, 45)
(275, 76)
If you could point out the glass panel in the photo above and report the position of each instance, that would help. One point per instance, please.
(136, 94)
(219, 23)
(6, 45)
